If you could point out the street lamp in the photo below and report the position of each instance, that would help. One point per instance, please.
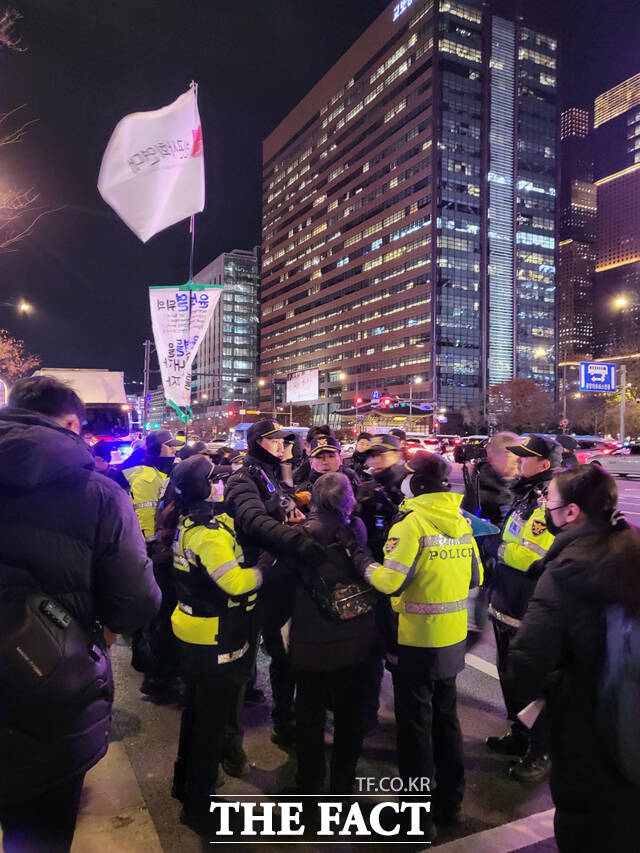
(621, 301)
(413, 380)
(22, 306)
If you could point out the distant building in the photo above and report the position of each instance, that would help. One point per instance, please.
(380, 259)
(226, 367)
(617, 173)
(577, 237)
(158, 410)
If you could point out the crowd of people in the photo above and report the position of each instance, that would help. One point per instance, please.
(340, 568)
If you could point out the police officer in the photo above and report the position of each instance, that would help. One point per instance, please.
(358, 460)
(153, 647)
(378, 500)
(325, 457)
(267, 519)
(214, 623)
(525, 539)
(430, 562)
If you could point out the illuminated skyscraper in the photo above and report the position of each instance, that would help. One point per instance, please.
(577, 249)
(227, 361)
(617, 172)
(409, 210)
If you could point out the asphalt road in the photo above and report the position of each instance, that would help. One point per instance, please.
(500, 815)
(628, 494)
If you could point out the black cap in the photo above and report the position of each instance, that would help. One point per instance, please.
(384, 443)
(399, 433)
(236, 456)
(431, 470)
(102, 449)
(190, 450)
(324, 444)
(366, 435)
(191, 479)
(264, 429)
(539, 447)
(159, 437)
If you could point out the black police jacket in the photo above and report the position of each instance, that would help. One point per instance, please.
(510, 590)
(378, 500)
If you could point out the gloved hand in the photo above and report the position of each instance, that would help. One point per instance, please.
(362, 559)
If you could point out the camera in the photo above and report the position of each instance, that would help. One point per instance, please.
(470, 452)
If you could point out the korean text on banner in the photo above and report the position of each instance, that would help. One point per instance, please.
(152, 171)
(178, 331)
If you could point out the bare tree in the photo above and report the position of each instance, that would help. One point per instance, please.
(20, 209)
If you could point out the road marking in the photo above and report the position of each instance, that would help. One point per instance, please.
(482, 665)
(503, 839)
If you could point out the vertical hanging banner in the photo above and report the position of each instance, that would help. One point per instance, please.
(152, 171)
(180, 317)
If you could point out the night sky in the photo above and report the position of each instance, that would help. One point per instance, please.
(89, 63)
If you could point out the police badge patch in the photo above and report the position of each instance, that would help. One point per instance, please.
(390, 544)
(538, 527)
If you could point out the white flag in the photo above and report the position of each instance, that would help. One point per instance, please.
(152, 172)
(180, 318)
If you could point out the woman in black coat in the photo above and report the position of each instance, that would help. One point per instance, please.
(559, 651)
(329, 656)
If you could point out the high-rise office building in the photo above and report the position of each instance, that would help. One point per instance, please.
(617, 173)
(226, 367)
(409, 210)
(577, 237)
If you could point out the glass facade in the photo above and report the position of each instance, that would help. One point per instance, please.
(409, 210)
(537, 119)
(227, 362)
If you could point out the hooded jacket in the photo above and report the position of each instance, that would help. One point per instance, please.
(76, 533)
(430, 562)
(558, 653)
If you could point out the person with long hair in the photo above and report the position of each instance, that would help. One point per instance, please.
(559, 652)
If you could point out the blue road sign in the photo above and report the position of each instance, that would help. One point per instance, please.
(597, 376)
(375, 395)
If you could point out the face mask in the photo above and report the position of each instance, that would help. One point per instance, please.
(552, 527)
(405, 488)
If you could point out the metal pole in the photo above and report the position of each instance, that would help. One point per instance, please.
(564, 388)
(623, 398)
(290, 414)
(410, 401)
(145, 383)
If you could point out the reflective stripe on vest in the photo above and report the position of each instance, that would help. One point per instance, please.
(396, 566)
(533, 547)
(145, 504)
(422, 609)
(439, 540)
(502, 617)
(231, 656)
(224, 568)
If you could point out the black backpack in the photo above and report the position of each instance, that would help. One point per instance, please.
(618, 699)
(50, 667)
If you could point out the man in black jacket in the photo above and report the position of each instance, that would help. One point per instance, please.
(75, 532)
(488, 483)
(325, 457)
(266, 519)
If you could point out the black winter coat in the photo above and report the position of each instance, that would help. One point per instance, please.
(558, 653)
(317, 641)
(487, 493)
(258, 501)
(77, 534)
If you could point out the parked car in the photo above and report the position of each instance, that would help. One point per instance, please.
(623, 462)
(470, 447)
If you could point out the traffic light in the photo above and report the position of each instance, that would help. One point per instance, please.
(386, 402)
(359, 401)
(230, 413)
